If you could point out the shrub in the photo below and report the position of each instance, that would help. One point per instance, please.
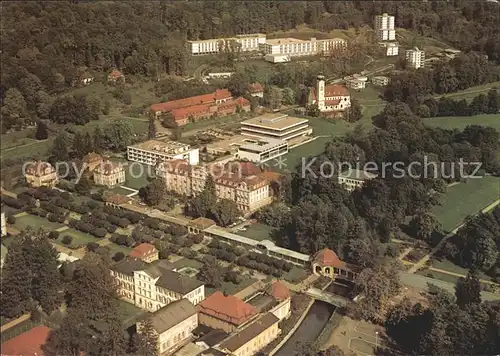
(92, 246)
(118, 256)
(99, 232)
(93, 204)
(164, 254)
(188, 253)
(11, 219)
(67, 240)
(197, 239)
(53, 235)
(13, 202)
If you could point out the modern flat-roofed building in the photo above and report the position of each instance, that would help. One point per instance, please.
(380, 81)
(293, 47)
(354, 178)
(3, 223)
(262, 150)
(391, 48)
(276, 126)
(247, 43)
(384, 27)
(356, 82)
(329, 98)
(152, 152)
(415, 58)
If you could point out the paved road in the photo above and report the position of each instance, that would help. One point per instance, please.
(424, 259)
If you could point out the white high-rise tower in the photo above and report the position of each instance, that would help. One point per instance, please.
(384, 27)
(320, 92)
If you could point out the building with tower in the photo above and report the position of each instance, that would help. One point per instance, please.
(329, 98)
(384, 27)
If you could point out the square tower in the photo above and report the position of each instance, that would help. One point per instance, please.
(320, 91)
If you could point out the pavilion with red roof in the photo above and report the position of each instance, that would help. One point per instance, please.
(326, 263)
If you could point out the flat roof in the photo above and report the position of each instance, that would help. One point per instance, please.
(234, 142)
(274, 121)
(292, 40)
(266, 145)
(250, 35)
(160, 146)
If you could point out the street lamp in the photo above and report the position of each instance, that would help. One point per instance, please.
(376, 340)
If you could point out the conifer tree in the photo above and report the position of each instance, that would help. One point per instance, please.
(41, 131)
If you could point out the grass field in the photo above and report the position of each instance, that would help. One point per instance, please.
(258, 232)
(470, 93)
(136, 175)
(447, 265)
(121, 191)
(465, 199)
(79, 238)
(231, 288)
(461, 122)
(129, 313)
(36, 222)
(186, 262)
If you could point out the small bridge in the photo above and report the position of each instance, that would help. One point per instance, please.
(327, 297)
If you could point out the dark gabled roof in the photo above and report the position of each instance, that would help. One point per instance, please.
(129, 266)
(172, 314)
(249, 333)
(177, 282)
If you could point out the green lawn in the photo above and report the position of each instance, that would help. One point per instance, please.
(136, 175)
(465, 199)
(36, 222)
(186, 262)
(258, 232)
(460, 122)
(120, 190)
(129, 313)
(447, 265)
(470, 93)
(79, 238)
(295, 274)
(114, 248)
(31, 149)
(16, 138)
(438, 275)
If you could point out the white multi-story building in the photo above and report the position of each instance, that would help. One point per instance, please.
(262, 150)
(151, 286)
(276, 126)
(391, 48)
(415, 58)
(173, 325)
(3, 223)
(354, 178)
(247, 43)
(329, 98)
(356, 82)
(380, 81)
(384, 27)
(152, 152)
(277, 49)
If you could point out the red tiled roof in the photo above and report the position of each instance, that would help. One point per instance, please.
(117, 199)
(143, 250)
(333, 90)
(228, 308)
(38, 168)
(332, 102)
(222, 94)
(194, 110)
(255, 88)
(270, 176)
(115, 74)
(182, 103)
(279, 291)
(327, 257)
(28, 343)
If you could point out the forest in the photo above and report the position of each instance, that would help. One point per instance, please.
(49, 46)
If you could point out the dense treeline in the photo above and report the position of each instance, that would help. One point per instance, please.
(447, 325)
(480, 104)
(462, 72)
(316, 212)
(476, 244)
(50, 46)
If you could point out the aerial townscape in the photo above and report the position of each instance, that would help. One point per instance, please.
(282, 178)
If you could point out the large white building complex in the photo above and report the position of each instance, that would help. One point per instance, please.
(329, 98)
(151, 152)
(259, 150)
(249, 42)
(384, 27)
(282, 49)
(415, 58)
(276, 126)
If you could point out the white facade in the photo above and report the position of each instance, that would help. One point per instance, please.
(256, 152)
(330, 98)
(384, 27)
(151, 152)
(356, 82)
(3, 224)
(276, 127)
(354, 178)
(279, 50)
(380, 81)
(415, 58)
(283, 309)
(391, 48)
(248, 43)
